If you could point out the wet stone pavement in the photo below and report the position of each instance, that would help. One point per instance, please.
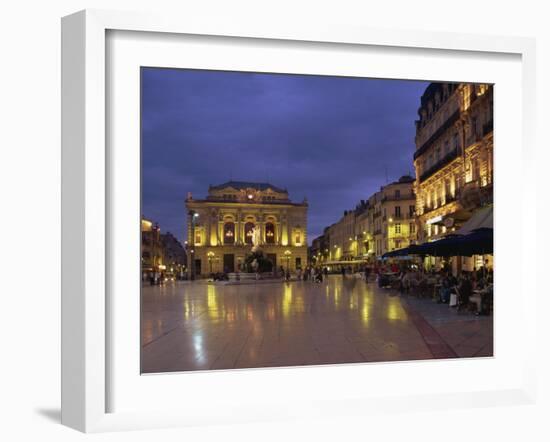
(466, 334)
(206, 326)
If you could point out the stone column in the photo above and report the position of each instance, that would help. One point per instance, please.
(207, 229)
(219, 227)
(238, 227)
(262, 229)
(304, 223)
(285, 227)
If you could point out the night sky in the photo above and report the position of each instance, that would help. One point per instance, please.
(330, 139)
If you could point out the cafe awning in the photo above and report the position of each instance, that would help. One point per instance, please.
(480, 219)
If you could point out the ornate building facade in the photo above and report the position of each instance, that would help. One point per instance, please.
(384, 222)
(220, 228)
(454, 155)
(395, 223)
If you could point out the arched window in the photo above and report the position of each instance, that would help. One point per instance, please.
(270, 233)
(248, 227)
(229, 233)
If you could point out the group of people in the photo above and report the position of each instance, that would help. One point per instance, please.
(310, 273)
(447, 285)
(154, 278)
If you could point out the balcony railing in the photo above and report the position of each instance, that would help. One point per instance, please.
(440, 130)
(407, 196)
(441, 202)
(442, 162)
(402, 216)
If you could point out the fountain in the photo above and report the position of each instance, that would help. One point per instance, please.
(255, 263)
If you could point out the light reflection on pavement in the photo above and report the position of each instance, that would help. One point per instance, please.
(201, 326)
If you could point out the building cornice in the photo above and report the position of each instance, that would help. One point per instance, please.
(244, 205)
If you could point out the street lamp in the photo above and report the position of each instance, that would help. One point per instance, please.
(193, 216)
(287, 255)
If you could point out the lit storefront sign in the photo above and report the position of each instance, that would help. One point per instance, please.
(435, 220)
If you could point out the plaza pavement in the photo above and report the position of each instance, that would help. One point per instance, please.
(201, 326)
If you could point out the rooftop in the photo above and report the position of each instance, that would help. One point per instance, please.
(405, 179)
(247, 185)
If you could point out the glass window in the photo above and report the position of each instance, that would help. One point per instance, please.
(397, 228)
(229, 233)
(248, 232)
(270, 233)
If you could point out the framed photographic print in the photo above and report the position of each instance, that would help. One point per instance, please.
(273, 223)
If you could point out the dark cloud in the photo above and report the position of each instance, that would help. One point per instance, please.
(330, 139)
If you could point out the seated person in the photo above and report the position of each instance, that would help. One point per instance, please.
(486, 300)
(445, 290)
(464, 289)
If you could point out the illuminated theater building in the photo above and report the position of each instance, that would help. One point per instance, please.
(220, 227)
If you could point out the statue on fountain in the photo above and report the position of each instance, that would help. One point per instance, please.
(256, 238)
(255, 261)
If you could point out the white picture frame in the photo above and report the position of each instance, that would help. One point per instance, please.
(86, 315)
